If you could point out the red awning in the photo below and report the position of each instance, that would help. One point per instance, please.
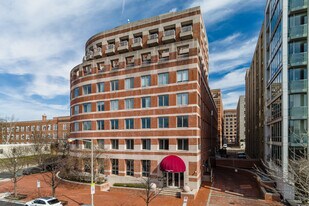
(172, 163)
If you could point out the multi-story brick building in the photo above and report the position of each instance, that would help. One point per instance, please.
(217, 96)
(230, 126)
(23, 132)
(141, 95)
(241, 126)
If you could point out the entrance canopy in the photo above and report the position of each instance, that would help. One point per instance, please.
(172, 163)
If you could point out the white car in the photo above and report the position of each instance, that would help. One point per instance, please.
(44, 201)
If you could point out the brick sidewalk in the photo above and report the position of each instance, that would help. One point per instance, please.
(80, 194)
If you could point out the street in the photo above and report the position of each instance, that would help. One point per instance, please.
(2, 203)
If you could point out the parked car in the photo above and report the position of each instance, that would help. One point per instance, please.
(44, 201)
(241, 155)
(32, 170)
(224, 146)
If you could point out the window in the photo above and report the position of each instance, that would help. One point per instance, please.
(100, 124)
(163, 144)
(115, 64)
(87, 107)
(100, 87)
(100, 106)
(163, 100)
(183, 144)
(87, 125)
(182, 76)
(130, 167)
(145, 123)
(76, 92)
(163, 122)
(114, 166)
(101, 165)
(182, 99)
(100, 143)
(129, 123)
(129, 103)
(129, 83)
(114, 124)
(146, 144)
(182, 121)
(76, 126)
(145, 102)
(76, 109)
(145, 168)
(87, 89)
(87, 144)
(163, 79)
(146, 81)
(115, 144)
(114, 85)
(114, 105)
(129, 143)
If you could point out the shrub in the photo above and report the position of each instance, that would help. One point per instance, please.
(132, 185)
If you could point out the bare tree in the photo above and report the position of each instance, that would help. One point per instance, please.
(7, 129)
(14, 161)
(151, 190)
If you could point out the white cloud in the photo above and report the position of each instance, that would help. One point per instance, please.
(230, 81)
(230, 99)
(173, 10)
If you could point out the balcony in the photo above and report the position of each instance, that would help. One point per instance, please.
(123, 46)
(299, 139)
(97, 52)
(298, 59)
(299, 31)
(110, 49)
(88, 56)
(153, 39)
(298, 86)
(298, 5)
(169, 36)
(300, 112)
(186, 32)
(137, 43)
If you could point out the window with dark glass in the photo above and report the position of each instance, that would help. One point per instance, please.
(163, 100)
(183, 144)
(129, 103)
(130, 167)
(87, 107)
(146, 81)
(115, 170)
(115, 143)
(163, 79)
(76, 92)
(129, 123)
(146, 144)
(163, 144)
(101, 143)
(146, 102)
(146, 123)
(87, 89)
(182, 121)
(87, 125)
(100, 87)
(145, 168)
(114, 85)
(100, 124)
(129, 83)
(114, 124)
(130, 143)
(163, 122)
(100, 106)
(182, 76)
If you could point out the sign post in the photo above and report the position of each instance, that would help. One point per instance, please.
(38, 185)
(92, 188)
(185, 201)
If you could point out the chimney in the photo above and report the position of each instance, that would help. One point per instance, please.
(44, 117)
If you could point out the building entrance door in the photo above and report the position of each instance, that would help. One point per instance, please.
(174, 180)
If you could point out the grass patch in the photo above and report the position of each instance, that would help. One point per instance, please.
(131, 185)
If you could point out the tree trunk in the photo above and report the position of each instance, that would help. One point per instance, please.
(53, 191)
(15, 186)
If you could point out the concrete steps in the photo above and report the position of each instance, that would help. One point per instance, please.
(175, 192)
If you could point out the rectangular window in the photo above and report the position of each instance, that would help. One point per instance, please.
(129, 143)
(115, 166)
(114, 105)
(100, 124)
(163, 79)
(115, 143)
(76, 126)
(182, 121)
(146, 123)
(130, 167)
(182, 76)
(183, 144)
(114, 124)
(100, 106)
(129, 123)
(145, 168)
(114, 85)
(87, 89)
(182, 99)
(145, 102)
(163, 100)
(163, 144)
(87, 107)
(129, 83)
(146, 144)
(76, 92)
(87, 125)
(87, 144)
(76, 109)
(100, 87)
(146, 81)
(101, 143)
(129, 103)
(163, 122)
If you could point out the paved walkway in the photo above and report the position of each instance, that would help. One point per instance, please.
(235, 188)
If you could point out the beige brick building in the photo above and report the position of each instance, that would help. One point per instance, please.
(142, 95)
(217, 96)
(230, 126)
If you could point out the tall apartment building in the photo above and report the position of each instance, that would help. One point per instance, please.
(217, 96)
(286, 73)
(241, 125)
(255, 102)
(141, 95)
(230, 126)
(23, 132)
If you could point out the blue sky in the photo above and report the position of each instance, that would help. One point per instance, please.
(42, 40)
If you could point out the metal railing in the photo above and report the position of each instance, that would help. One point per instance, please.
(137, 40)
(298, 85)
(169, 32)
(124, 43)
(298, 58)
(186, 28)
(153, 36)
(298, 31)
(110, 46)
(298, 4)
(298, 112)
